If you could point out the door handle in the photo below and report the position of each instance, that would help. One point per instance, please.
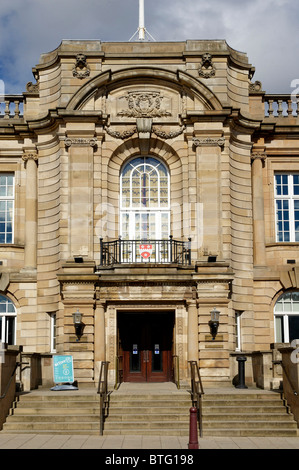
(145, 356)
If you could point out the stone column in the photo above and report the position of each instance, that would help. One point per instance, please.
(80, 156)
(30, 158)
(208, 181)
(192, 331)
(259, 249)
(99, 338)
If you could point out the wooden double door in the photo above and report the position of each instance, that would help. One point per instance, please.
(146, 346)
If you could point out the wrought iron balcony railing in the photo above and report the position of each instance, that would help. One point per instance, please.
(145, 251)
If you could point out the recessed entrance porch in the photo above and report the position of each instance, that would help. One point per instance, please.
(145, 346)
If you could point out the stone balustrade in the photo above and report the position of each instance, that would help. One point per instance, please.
(281, 106)
(11, 106)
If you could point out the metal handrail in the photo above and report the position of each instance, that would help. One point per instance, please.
(103, 392)
(10, 380)
(295, 392)
(176, 370)
(196, 392)
(145, 251)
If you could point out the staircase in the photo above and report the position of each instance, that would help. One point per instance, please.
(158, 409)
(246, 414)
(156, 414)
(55, 413)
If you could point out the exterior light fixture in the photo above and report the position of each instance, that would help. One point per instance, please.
(214, 322)
(79, 326)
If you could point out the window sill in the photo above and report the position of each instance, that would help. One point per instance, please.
(269, 245)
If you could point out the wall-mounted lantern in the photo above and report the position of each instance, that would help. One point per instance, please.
(214, 322)
(79, 326)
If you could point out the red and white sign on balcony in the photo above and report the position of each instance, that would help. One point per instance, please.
(145, 250)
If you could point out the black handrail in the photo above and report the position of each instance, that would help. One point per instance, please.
(196, 392)
(145, 251)
(294, 390)
(10, 380)
(176, 370)
(103, 392)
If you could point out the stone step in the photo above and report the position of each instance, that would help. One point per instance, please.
(22, 398)
(54, 411)
(158, 403)
(141, 426)
(251, 432)
(145, 410)
(250, 424)
(56, 418)
(240, 403)
(282, 416)
(244, 409)
(153, 417)
(141, 397)
(37, 426)
(58, 404)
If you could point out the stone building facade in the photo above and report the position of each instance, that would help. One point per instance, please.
(145, 184)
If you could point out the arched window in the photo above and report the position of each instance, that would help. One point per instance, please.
(145, 201)
(7, 321)
(286, 314)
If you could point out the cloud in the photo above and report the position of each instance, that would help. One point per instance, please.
(267, 30)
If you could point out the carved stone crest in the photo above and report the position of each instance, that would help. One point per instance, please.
(144, 104)
(206, 68)
(81, 69)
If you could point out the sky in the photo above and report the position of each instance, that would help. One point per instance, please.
(267, 30)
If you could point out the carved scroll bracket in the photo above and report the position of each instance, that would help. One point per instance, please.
(29, 155)
(81, 141)
(208, 141)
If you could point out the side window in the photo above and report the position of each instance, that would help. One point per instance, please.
(6, 207)
(8, 317)
(286, 316)
(53, 332)
(287, 207)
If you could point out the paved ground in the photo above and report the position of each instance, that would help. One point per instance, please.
(38, 441)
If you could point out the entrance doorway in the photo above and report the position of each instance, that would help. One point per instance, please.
(146, 346)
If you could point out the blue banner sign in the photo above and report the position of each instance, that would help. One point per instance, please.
(63, 369)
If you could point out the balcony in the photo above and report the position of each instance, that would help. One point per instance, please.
(277, 106)
(145, 251)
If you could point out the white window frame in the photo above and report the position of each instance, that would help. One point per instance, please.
(4, 200)
(238, 330)
(53, 332)
(285, 313)
(4, 318)
(132, 210)
(290, 199)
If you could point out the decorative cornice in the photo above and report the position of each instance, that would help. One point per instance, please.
(208, 141)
